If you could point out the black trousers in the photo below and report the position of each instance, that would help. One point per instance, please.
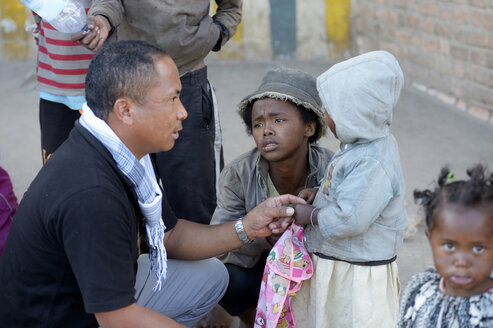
(244, 287)
(188, 170)
(56, 121)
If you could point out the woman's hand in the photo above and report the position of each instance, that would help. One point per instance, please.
(308, 194)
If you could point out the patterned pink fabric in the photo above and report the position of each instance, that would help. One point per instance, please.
(288, 264)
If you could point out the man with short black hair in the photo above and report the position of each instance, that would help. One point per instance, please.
(72, 255)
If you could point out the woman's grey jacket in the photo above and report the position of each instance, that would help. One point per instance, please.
(243, 185)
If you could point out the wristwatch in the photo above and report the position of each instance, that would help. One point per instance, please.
(240, 231)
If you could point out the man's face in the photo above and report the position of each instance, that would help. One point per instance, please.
(462, 247)
(158, 119)
(279, 131)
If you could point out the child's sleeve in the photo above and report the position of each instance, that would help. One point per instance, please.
(357, 201)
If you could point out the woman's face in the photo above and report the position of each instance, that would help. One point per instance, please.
(278, 129)
(462, 245)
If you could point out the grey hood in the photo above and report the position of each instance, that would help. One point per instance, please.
(359, 95)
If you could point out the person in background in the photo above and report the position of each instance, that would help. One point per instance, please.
(458, 291)
(188, 33)
(61, 69)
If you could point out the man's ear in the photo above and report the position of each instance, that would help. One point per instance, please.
(310, 129)
(428, 233)
(123, 110)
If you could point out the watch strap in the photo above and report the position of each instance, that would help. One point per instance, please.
(240, 231)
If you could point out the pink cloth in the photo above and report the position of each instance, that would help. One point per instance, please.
(288, 264)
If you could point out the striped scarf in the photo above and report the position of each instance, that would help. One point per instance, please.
(141, 174)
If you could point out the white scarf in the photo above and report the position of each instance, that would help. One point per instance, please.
(143, 179)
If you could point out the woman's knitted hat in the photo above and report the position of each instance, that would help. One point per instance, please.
(290, 84)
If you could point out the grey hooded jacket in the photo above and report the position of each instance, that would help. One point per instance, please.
(362, 216)
(243, 185)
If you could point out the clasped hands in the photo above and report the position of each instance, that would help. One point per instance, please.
(272, 217)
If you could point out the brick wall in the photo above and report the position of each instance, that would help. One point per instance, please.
(445, 47)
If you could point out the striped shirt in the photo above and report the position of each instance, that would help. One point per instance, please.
(61, 64)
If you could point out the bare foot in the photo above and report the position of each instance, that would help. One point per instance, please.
(216, 318)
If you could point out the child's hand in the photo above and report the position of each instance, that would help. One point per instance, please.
(302, 213)
(308, 194)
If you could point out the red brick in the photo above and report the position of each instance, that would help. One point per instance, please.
(443, 11)
(487, 20)
(420, 24)
(489, 59)
(486, 96)
(478, 3)
(478, 57)
(475, 38)
(458, 34)
(443, 66)
(393, 48)
(444, 47)
(400, 35)
(438, 82)
(475, 18)
(387, 16)
(478, 75)
(401, 3)
(428, 8)
(460, 16)
(458, 91)
(443, 29)
(459, 70)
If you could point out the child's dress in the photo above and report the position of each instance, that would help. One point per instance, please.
(362, 216)
(424, 304)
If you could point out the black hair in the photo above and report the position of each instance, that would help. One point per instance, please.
(121, 69)
(476, 192)
(307, 116)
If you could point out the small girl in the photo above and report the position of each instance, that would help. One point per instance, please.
(459, 222)
(356, 224)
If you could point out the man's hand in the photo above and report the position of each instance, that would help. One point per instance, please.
(308, 194)
(270, 216)
(94, 40)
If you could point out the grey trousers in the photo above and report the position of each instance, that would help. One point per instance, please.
(190, 291)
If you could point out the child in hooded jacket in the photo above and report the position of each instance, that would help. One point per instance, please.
(357, 220)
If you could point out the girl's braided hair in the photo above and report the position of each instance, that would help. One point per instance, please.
(475, 192)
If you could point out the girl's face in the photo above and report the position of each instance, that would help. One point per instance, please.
(462, 246)
(278, 129)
